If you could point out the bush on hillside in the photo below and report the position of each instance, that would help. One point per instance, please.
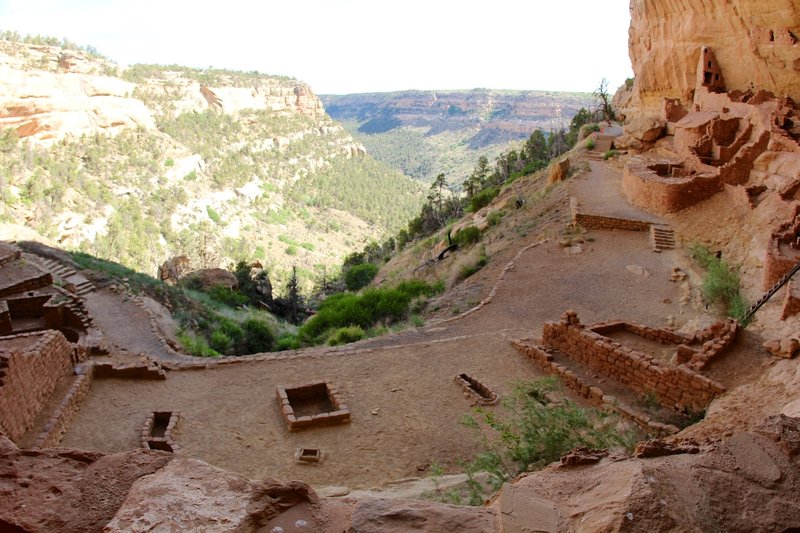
(258, 336)
(346, 335)
(483, 198)
(360, 276)
(364, 310)
(466, 236)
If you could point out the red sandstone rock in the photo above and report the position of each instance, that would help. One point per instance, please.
(208, 278)
(659, 448)
(582, 456)
(558, 171)
(786, 348)
(645, 129)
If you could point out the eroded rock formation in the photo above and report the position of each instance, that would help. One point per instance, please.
(750, 482)
(754, 42)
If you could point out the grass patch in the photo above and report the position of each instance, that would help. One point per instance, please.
(537, 431)
(371, 308)
(721, 284)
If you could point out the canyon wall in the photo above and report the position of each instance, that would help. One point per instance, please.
(755, 43)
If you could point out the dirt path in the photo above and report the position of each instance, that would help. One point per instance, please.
(126, 325)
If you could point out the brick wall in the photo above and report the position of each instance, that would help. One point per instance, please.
(60, 419)
(651, 192)
(677, 387)
(791, 302)
(33, 366)
(30, 284)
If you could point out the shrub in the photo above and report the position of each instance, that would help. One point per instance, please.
(590, 144)
(721, 283)
(346, 335)
(539, 431)
(483, 198)
(227, 296)
(287, 341)
(213, 215)
(220, 342)
(609, 154)
(366, 309)
(494, 217)
(468, 270)
(196, 346)
(360, 276)
(258, 335)
(467, 236)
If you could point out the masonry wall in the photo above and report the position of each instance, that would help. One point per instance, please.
(31, 372)
(59, 421)
(677, 387)
(651, 192)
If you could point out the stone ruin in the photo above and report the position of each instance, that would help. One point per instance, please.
(628, 354)
(312, 404)
(718, 139)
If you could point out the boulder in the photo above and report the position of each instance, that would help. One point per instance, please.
(558, 171)
(206, 278)
(645, 129)
(786, 348)
(173, 269)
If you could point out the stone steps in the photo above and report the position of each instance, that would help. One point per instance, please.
(67, 275)
(662, 237)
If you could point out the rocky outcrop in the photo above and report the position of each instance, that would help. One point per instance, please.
(753, 40)
(750, 482)
(747, 483)
(46, 105)
(208, 278)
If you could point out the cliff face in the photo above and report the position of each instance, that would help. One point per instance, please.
(238, 158)
(755, 43)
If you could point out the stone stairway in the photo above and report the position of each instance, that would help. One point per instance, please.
(68, 276)
(603, 143)
(662, 237)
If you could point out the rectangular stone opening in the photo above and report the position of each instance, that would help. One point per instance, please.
(309, 455)
(157, 431)
(160, 423)
(160, 445)
(312, 404)
(311, 400)
(476, 390)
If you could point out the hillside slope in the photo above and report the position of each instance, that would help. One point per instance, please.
(424, 133)
(152, 162)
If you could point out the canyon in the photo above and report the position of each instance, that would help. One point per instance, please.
(594, 273)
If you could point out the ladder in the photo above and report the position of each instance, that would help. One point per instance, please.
(767, 295)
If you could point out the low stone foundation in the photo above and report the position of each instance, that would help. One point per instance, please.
(157, 431)
(475, 391)
(312, 404)
(60, 419)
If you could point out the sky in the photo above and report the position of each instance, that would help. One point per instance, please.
(352, 46)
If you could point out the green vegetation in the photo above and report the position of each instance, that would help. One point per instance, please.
(467, 236)
(589, 145)
(609, 154)
(373, 306)
(470, 269)
(360, 276)
(346, 335)
(721, 283)
(537, 431)
(483, 198)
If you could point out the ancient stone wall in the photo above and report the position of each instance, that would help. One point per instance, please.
(659, 194)
(776, 263)
(678, 387)
(70, 404)
(31, 283)
(33, 363)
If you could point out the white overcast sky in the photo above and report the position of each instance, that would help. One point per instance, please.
(348, 46)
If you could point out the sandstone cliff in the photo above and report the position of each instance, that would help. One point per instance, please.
(755, 42)
(147, 161)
